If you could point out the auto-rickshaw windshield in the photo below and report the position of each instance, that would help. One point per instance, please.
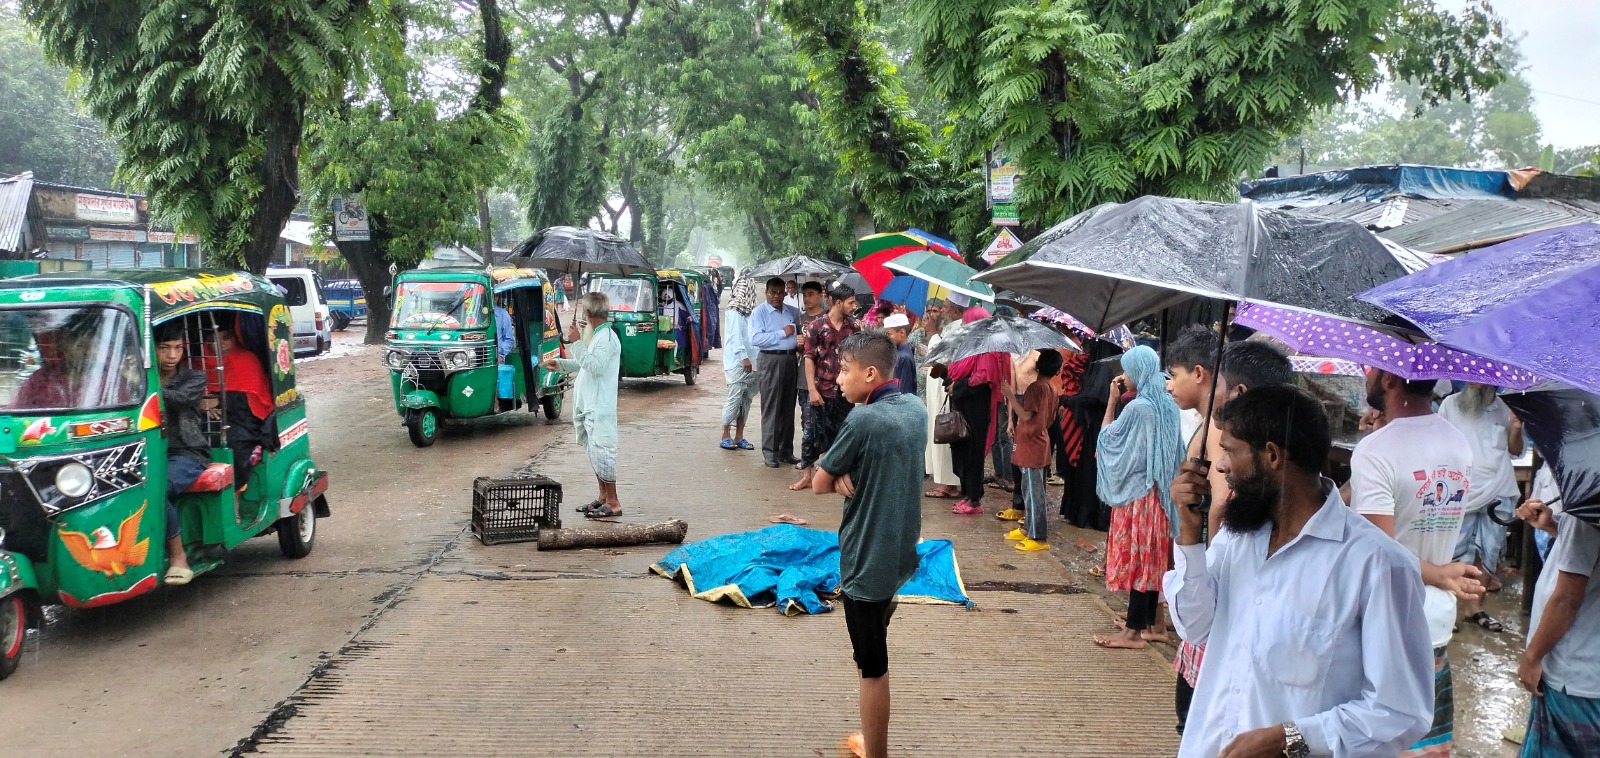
(438, 305)
(631, 295)
(69, 358)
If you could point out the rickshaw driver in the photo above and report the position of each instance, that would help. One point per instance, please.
(505, 333)
(183, 392)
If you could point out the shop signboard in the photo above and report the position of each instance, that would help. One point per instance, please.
(109, 210)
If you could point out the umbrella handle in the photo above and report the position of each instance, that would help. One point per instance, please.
(1204, 506)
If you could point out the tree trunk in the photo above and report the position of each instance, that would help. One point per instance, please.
(599, 534)
(371, 268)
(484, 227)
(759, 221)
(280, 175)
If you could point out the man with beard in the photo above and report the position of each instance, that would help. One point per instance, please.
(1408, 478)
(1495, 437)
(1318, 640)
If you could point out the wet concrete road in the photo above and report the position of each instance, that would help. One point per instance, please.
(401, 634)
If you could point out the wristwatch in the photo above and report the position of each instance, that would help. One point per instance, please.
(1294, 745)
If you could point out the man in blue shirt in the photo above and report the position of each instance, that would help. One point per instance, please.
(772, 332)
(505, 332)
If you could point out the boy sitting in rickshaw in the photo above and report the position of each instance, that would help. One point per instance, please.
(183, 391)
(248, 402)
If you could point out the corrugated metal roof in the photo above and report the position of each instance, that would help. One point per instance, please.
(1480, 222)
(14, 195)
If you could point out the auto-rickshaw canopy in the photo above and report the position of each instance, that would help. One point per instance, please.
(177, 291)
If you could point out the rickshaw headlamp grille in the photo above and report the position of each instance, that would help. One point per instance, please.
(74, 480)
(395, 359)
(456, 359)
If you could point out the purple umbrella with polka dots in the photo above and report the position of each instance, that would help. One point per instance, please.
(1329, 337)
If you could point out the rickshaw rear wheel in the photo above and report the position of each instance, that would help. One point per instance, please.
(13, 629)
(423, 425)
(552, 406)
(691, 374)
(297, 534)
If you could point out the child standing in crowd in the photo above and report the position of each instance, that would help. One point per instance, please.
(898, 328)
(874, 464)
(1031, 452)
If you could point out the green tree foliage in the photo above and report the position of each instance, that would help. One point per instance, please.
(1106, 101)
(208, 100)
(1495, 130)
(43, 126)
(418, 133)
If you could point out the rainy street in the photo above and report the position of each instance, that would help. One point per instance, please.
(401, 634)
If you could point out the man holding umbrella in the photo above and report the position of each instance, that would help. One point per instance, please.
(825, 413)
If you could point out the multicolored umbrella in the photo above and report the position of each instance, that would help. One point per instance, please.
(873, 251)
(912, 292)
(1121, 336)
(1336, 338)
(942, 271)
(1530, 302)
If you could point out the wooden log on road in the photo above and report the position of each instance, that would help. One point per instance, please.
(602, 534)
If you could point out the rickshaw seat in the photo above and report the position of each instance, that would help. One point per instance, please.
(216, 478)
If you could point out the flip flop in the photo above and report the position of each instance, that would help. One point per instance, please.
(941, 494)
(600, 512)
(1486, 621)
(787, 518)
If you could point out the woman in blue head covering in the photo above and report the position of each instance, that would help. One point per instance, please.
(1138, 454)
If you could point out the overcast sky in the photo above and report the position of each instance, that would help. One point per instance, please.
(1562, 48)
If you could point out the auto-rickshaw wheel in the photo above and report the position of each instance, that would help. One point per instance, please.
(690, 374)
(297, 534)
(424, 426)
(552, 406)
(13, 629)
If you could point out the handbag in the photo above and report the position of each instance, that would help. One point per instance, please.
(950, 426)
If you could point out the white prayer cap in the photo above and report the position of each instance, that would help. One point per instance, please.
(896, 320)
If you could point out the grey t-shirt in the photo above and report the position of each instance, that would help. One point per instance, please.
(880, 447)
(1573, 664)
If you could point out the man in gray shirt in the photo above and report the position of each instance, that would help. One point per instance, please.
(1562, 664)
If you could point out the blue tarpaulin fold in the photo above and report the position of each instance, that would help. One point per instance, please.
(796, 570)
(1374, 183)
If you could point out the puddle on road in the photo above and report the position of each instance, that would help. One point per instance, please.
(1484, 666)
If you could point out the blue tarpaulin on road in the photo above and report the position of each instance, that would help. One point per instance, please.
(797, 570)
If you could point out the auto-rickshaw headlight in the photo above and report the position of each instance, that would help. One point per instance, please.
(74, 480)
(395, 359)
(456, 358)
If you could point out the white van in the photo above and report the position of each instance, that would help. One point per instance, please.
(302, 291)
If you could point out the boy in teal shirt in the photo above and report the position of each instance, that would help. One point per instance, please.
(876, 464)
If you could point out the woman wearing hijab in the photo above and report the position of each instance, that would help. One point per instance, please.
(937, 458)
(1139, 453)
(739, 363)
(976, 386)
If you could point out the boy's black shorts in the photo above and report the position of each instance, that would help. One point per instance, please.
(868, 622)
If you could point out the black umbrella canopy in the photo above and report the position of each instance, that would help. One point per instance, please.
(797, 265)
(1113, 264)
(1565, 425)
(998, 334)
(572, 250)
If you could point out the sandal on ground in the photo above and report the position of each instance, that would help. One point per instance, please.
(1010, 514)
(1097, 572)
(593, 504)
(1055, 481)
(942, 493)
(966, 508)
(744, 444)
(856, 744)
(728, 444)
(602, 511)
(179, 576)
(1487, 622)
(787, 518)
(1002, 486)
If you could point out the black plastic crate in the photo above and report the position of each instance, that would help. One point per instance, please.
(513, 510)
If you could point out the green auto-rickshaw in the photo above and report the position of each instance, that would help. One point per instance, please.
(655, 342)
(443, 346)
(83, 450)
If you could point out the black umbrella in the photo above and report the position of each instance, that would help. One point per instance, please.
(1113, 264)
(796, 266)
(998, 334)
(1564, 424)
(1020, 302)
(571, 250)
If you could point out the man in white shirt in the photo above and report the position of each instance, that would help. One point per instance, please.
(1317, 640)
(1496, 437)
(1410, 479)
(1562, 664)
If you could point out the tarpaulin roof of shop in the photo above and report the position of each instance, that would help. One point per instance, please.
(1374, 183)
(14, 195)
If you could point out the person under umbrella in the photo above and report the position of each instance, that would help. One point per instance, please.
(976, 385)
(597, 359)
(939, 459)
(1495, 436)
(1139, 454)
